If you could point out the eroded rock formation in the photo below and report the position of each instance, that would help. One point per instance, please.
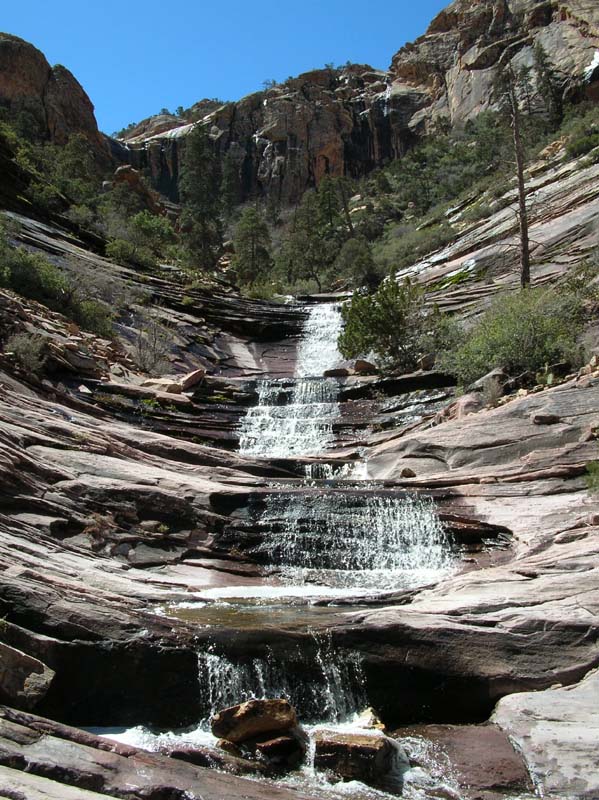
(50, 96)
(348, 121)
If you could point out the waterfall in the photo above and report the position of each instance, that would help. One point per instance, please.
(295, 418)
(328, 686)
(353, 540)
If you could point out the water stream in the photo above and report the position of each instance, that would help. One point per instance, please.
(333, 535)
(294, 418)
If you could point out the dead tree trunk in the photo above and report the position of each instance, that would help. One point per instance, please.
(522, 209)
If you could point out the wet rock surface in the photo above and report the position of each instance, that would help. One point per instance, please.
(482, 759)
(252, 719)
(46, 759)
(366, 757)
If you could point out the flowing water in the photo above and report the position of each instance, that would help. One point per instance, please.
(294, 418)
(334, 536)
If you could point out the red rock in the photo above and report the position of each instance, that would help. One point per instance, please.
(353, 756)
(252, 719)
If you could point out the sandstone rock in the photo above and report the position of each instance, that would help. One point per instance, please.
(52, 95)
(24, 680)
(544, 418)
(253, 719)
(363, 367)
(163, 384)
(76, 763)
(354, 756)
(407, 472)
(132, 178)
(337, 372)
(192, 379)
(466, 404)
(368, 719)
(481, 757)
(348, 121)
(556, 731)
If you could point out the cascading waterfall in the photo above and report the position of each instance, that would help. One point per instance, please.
(295, 418)
(359, 541)
(349, 538)
(328, 687)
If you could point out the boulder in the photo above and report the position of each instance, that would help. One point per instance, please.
(283, 751)
(544, 418)
(253, 719)
(191, 379)
(482, 758)
(363, 367)
(426, 362)
(24, 681)
(168, 385)
(338, 372)
(366, 757)
(369, 719)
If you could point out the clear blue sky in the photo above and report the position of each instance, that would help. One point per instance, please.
(133, 57)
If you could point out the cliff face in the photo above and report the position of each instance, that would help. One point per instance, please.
(342, 122)
(346, 122)
(51, 96)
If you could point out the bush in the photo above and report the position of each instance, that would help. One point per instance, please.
(406, 246)
(152, 345)
(592, 477)
(521, 332)
(94, 316)
(395, 325)
(583, 144)
(28, 350)
(33, 277)
(127, 253)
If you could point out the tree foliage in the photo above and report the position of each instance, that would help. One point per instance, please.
(521, 332)
(200, 190)
(252, 247)
(394, 324)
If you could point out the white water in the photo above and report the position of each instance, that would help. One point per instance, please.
(325, 544)
(358, 542)
(295, 418)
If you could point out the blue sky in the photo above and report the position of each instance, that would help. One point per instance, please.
(134, 58)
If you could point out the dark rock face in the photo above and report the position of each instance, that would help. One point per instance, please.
(51, 95)
(40, 758)
(349, 121)
(355, 757)
(23, 680)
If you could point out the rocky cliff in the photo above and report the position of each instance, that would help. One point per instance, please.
(351, 120)
(51, 97)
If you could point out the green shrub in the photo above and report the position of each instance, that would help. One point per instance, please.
(94, 316)
(404, 246)
(583, 144)
(28, 351)
(592, 477)
(521, 332)
(395, 325)
(33, 277)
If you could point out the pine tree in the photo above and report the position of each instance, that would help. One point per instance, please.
(200, 190)
(252, 247)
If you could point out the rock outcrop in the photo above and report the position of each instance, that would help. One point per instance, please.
(349, 121)
(51, 97)
(42, 760)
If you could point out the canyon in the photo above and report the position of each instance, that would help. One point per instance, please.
(262, 520)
